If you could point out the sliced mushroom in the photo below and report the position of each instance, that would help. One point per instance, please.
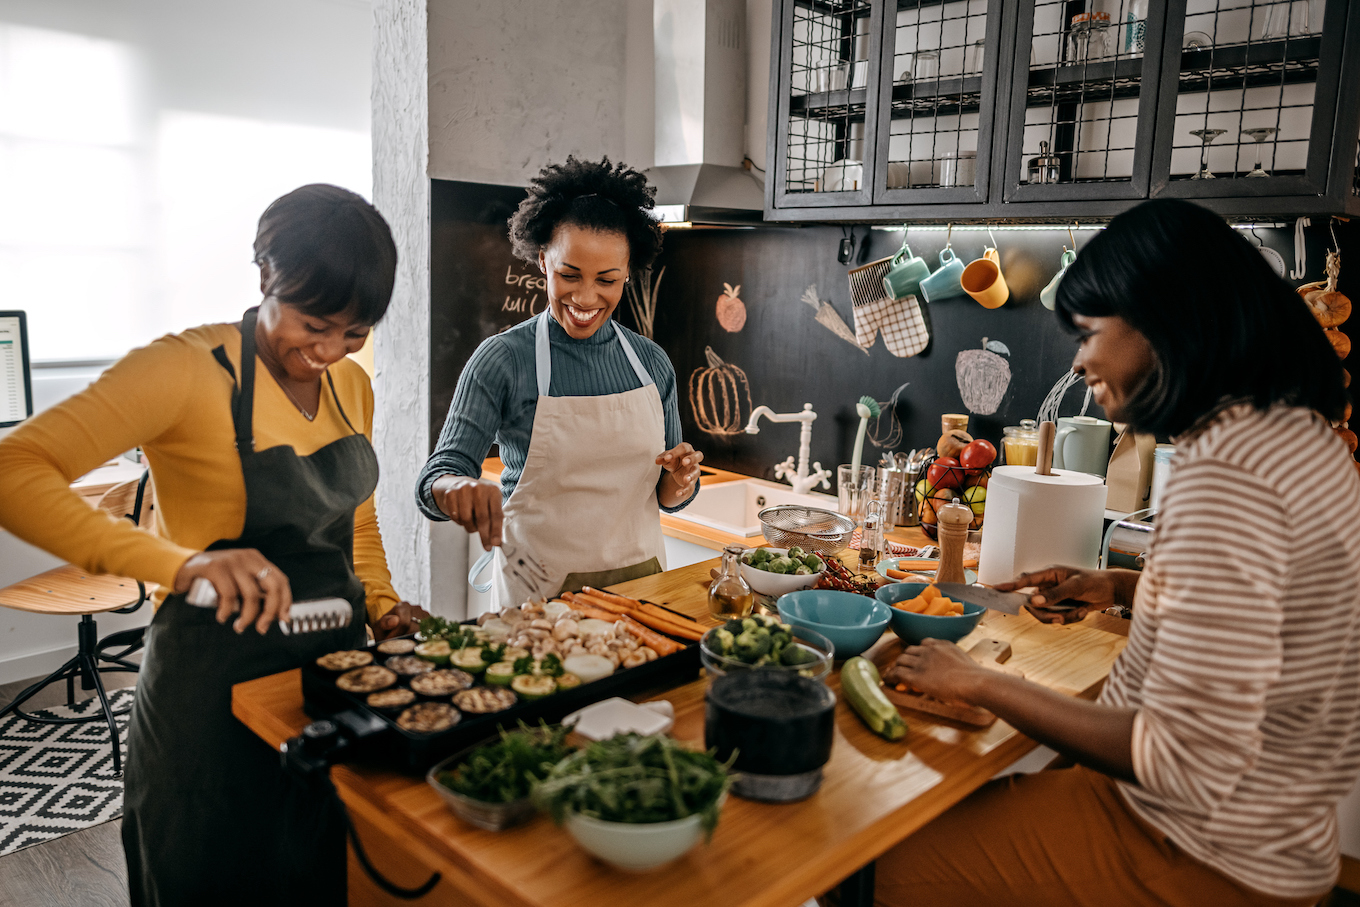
(598, 648)
(540, 623)
(536, 633)
(634, 659)
(565, 629)
(648, 652)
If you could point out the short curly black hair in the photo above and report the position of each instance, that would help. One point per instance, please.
(610, 198)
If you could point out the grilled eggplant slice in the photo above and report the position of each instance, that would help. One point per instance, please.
(369, 679)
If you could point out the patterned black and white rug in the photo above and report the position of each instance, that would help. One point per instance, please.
(56, 779)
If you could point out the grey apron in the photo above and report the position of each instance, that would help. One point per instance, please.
(209, 816)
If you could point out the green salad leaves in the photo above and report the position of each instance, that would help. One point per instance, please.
(507, 769)
(636, 779)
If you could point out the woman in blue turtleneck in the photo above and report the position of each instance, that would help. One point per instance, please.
(583, 409)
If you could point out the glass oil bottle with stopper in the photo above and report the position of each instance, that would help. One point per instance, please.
(871, 537)
(729, 595)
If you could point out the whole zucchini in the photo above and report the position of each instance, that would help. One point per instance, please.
(861, 686)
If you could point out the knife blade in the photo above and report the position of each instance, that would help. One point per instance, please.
(1007, 602)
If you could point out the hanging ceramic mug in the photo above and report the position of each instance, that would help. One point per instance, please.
(905, 273)
(944, 283)
(1049, 294)
(983, 280)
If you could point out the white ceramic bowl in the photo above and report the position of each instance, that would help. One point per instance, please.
(777, 584)
(635, 846)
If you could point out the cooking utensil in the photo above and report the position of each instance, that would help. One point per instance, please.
(1006, 602)
(303, 617)
(812, 528)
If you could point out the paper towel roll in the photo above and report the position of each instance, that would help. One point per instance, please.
(1036, 521)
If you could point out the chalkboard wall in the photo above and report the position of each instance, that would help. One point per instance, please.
(478, 288)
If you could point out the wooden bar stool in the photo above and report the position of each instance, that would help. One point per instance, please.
(70, 590)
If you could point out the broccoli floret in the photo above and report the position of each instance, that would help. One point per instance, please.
(733, 626)
(752, 644)
(780, 638)
(524, 664)
(749, 623)
(550, 666)
(764, 660)
(787, 628)
(794, 655)
(724, 639)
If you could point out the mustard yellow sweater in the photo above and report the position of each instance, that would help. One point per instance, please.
(173, 400)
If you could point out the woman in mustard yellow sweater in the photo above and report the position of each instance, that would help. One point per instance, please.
(257, 435)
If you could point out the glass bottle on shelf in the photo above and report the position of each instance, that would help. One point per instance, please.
(1077, 36)
(871, 537)
(730, 595)
(1045, 168)
(1098, 44)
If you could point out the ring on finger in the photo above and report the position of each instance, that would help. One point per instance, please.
(264, 574)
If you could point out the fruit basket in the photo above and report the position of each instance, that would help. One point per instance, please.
(946, 478)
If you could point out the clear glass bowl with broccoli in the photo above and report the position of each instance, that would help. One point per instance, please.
(761, 642)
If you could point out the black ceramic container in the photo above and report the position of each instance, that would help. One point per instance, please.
(781, 725)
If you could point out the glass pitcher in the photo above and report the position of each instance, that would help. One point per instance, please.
(730, 596)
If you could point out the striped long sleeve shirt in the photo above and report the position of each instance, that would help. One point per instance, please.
(1243, 660)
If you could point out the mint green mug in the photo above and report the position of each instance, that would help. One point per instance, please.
(905, 273)
(944, 283)
(1049, 294)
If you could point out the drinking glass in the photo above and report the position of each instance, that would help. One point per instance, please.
(1259, 134)
(973, 57)
(925, 65)
(853, 491)
(1206, 136)
(1285, 19)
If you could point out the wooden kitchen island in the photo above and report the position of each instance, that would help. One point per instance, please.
(875, 792)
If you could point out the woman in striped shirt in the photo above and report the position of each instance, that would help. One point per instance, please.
(1209, 769)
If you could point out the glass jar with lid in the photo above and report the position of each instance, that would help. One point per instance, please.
(1021, 443)
(1099, 38)
(1077, 35)
(1046, 168)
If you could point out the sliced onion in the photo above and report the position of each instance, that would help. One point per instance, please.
(555, 609)
(496, 630)
(588, 667)
(592, 627)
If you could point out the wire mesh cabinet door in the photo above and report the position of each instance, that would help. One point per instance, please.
(1249, 98)
(937, 101)
(826, 63)
(1083, 100)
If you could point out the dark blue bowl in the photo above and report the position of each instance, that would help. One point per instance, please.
(912, 627)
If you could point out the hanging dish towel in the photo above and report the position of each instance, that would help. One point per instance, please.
(903, 325)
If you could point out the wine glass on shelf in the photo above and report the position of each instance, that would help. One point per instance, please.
(1206, 136)
(1260, 134)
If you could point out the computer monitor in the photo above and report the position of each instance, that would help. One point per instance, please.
(16, 381)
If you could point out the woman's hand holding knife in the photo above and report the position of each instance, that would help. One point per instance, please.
(244, 580)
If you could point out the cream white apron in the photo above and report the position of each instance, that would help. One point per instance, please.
(584, 511)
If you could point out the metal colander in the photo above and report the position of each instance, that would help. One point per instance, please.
(823, 531)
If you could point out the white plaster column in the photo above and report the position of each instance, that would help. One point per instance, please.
(401, 191)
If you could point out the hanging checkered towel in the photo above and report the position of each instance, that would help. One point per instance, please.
(903, 325)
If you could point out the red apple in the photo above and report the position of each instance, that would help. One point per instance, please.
(944, 473)
(978, 455)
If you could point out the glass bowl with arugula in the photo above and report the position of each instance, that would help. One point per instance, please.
(634, 801)
(489, 785)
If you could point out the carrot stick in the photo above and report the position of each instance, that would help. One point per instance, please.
(663, 626)
(662, 614)
(595, 613)
(660, 644)
(598, 603)
(625, 601)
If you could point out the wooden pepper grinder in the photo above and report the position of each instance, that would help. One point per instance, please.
(954, 519)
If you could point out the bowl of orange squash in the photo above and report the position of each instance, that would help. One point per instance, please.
(919, 611)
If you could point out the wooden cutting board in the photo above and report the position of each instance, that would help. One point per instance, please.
(990, 653)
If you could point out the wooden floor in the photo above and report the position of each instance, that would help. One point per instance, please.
(84, 869)
(87, 869)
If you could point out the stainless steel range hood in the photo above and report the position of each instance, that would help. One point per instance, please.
(700, 51)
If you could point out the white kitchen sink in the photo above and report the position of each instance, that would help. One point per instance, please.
(732, 507)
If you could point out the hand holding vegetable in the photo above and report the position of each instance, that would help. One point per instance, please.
(940, 669)
(1097, 589)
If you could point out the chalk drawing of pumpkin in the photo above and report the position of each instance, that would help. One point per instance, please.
(720, 396)
(731, 310)
(983, 376)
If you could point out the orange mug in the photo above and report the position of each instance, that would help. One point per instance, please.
(983, 280)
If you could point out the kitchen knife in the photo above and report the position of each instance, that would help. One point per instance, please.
(303, 617)
(1007, 602)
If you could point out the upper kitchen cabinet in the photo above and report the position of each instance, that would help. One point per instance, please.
(826, 103)
(1083, 104)
(887, 110)
(1249, 118)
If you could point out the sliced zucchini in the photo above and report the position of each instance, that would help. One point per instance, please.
(568, 682)
(435, 650)
(469, 659)
(533, 686)
(513, 654)
(501, 673)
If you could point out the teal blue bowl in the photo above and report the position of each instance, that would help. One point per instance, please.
(852, 622)
(912, 627)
